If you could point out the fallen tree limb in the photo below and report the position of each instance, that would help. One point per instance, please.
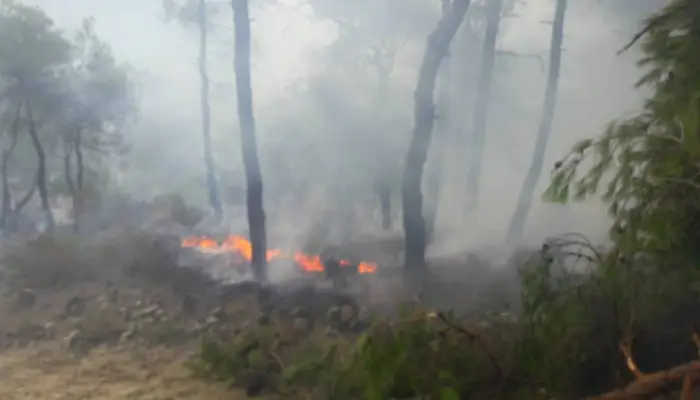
(654, 383)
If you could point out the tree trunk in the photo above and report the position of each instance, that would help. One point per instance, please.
(481, 107)
(79, 178)
(41, 173)
(251, 164)
(383, 184)
(6, 154)
(13, 217)
(212, 185)
(442, 132)
(424, 116)
(517, 223)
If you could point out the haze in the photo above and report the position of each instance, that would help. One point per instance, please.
(314, 141)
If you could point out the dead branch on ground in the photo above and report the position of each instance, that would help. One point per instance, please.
(647, 385)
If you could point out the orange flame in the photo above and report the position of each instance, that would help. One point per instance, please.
(244, 248)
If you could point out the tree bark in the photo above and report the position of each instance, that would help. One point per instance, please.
(517, 223)
(383, 185)
(212, 184)
(13, 217)
(41, 173)
(442, 131)
(424, 117)
(6, 155)
(481, 107)
(251, 164)
(79, 180)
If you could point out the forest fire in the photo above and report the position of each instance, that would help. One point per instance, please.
(242, 247)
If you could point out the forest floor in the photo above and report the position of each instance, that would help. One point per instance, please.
(115, 317)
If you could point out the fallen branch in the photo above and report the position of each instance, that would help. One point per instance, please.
(651, 384)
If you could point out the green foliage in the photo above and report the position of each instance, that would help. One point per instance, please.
(419, 355)
(645, 168)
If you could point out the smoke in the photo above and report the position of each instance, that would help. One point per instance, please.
(318, 131)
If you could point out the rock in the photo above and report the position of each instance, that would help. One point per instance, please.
(50, 330)
(218, 313)
(302, 324)
(148, 311)
(25, 298)
(74, 340)
(210, 321)
(127, 335)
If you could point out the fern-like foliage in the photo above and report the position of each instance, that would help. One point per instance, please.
(647, 168)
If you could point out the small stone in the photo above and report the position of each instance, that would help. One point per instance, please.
(74, 339)
(149, 311)
(218, 313)
(127, 335)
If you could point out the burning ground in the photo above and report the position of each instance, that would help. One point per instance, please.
(241, 253)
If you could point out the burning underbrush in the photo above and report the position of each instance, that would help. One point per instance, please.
(238, 252)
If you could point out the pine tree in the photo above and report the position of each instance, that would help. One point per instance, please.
(647, 168)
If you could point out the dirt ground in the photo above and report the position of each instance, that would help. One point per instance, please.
(123, 372)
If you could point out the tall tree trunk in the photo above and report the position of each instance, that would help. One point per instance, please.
(212, 185)
(442, 132)
(517, 223)
(251, 164)
(68, 176)
(6, 154)
(424, 115)
(79, 164)
(41, 174)
(75, 188)
(78, 199)
(481, 107)
(383, 185)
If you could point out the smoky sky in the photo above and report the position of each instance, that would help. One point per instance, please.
(596, 87)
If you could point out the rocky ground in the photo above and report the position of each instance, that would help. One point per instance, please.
(116, 317)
